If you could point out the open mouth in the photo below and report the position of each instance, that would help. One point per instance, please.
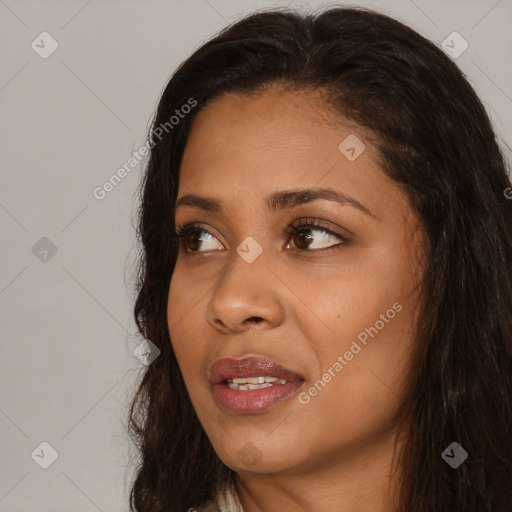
(251, 384)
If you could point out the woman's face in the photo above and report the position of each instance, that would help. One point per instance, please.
(321, 318)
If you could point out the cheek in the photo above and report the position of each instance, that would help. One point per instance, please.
(179, 296)
(365, 316)
(337, 304)
(358, 387)
(186, 299)
(183, 307)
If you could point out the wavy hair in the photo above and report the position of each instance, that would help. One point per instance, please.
(436, 141)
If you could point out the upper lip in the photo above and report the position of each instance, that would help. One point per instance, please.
(250, 366)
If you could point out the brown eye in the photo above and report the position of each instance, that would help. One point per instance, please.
(193, 241)
(194, 238)
(311, 237)
(303, 238)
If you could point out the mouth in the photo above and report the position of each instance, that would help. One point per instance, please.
(251, 384)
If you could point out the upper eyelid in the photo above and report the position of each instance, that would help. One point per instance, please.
(318, 224)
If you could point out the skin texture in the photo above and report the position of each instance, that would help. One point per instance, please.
(301, 307)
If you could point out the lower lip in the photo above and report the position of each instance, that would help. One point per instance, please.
(253, 400)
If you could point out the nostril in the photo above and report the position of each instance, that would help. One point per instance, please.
(255, 319)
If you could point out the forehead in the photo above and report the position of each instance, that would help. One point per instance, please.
(277, 124)
(244, 147)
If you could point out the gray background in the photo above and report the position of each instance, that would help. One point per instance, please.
(68, 123)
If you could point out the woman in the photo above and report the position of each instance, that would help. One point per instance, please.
(326, 270)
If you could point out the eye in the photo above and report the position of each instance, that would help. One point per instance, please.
(308, 235)
(193, 236)
(311, 235)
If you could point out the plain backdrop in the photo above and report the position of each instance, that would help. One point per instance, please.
(68, 122)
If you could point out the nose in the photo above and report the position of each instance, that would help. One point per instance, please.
(246, 297)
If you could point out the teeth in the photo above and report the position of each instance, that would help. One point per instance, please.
(248, 383)
(245, 387)
(253, 380)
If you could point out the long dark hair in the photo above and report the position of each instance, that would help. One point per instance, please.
(435, 141)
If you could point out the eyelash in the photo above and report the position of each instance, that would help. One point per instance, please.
(182, 232)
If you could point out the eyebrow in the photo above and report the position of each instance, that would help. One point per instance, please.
(281, 200)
